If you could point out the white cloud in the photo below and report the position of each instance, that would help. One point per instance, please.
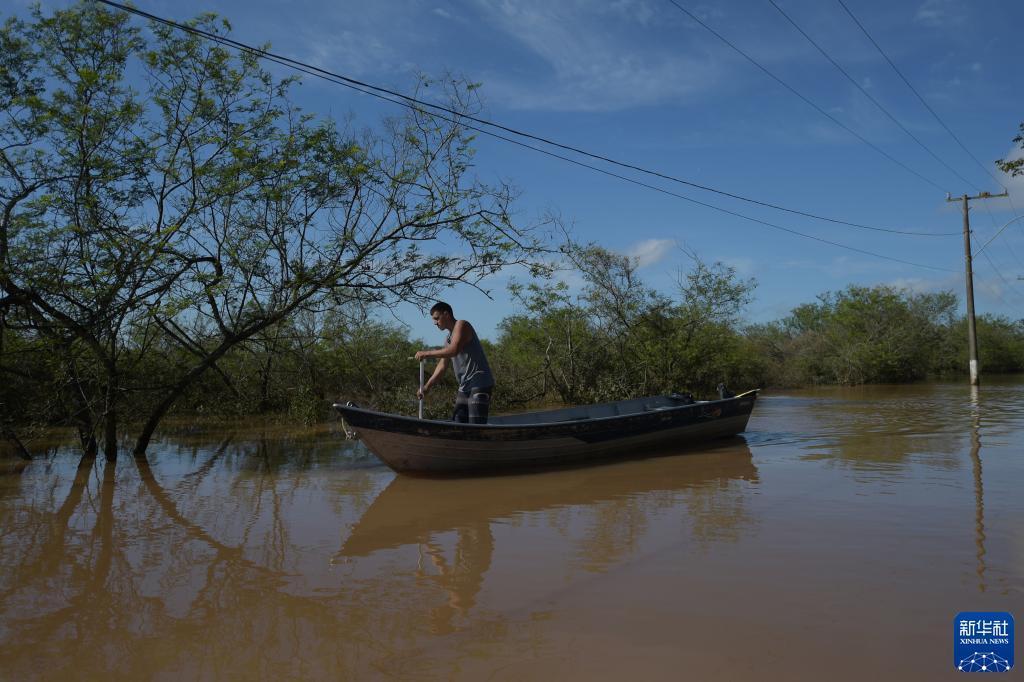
(595, 57)
(1014, 184)
(380, 39)
(743, 266)
(650, 251)
(923, 285)
(937, 13)
(636, 10)
(356, 52)
(836, 268)
(571, 55)
(995, 288)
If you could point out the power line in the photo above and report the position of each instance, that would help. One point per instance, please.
(713, 207)
(1012, 220)
(1013, 209)
(962, 146)
(374, 90)
(1009, 287)
(1006, 240)
(870, 96)
(994, 290)
(1007, 244)
(805, 99)
(919, 97)
(406, 101)
(1009, 247)
(953, 135)
(640, 183)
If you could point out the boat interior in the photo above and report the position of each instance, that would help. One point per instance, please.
(598, 411)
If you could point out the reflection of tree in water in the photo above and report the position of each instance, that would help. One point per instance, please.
(613, 531)
(706, 486)
(243, 490)
(36, 527)
(119, 568)
(130, 578)
(63, 568)
(872, 427)
(201, 574)
(719, 513)
(715, 511)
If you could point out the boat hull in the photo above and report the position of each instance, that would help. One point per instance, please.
(410, 445)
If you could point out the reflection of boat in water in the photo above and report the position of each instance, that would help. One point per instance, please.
(554, 437)
(411, 510)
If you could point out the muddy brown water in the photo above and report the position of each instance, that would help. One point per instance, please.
(837, 539)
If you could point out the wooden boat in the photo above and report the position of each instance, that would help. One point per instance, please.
(554, 437)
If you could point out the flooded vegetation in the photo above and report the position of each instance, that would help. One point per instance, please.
(845, 530)
(179, 239)
(232, 254)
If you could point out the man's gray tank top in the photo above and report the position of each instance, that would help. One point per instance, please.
(471, 368)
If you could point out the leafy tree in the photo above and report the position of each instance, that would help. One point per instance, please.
(859, 335)
(618, 337)
(1014, 166)
(1000, 345)
(549, 349)
(164, 202)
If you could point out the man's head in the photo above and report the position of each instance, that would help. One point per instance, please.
(442, 315)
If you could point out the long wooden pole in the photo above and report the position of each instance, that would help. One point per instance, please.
(421, 388)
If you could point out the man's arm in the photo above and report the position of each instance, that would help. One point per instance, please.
(461, 335)
(439, 371)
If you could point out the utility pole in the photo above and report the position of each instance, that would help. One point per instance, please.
(972, 334)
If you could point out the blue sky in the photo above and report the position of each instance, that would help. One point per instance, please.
(640, 81)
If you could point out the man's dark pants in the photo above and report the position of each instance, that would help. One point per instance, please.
(472, 407)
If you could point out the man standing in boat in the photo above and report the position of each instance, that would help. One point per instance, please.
(464, 352)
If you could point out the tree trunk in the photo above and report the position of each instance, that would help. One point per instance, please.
(265, 382)
(158, 413)
(11, 437)
(110, 422)
(87, 437)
